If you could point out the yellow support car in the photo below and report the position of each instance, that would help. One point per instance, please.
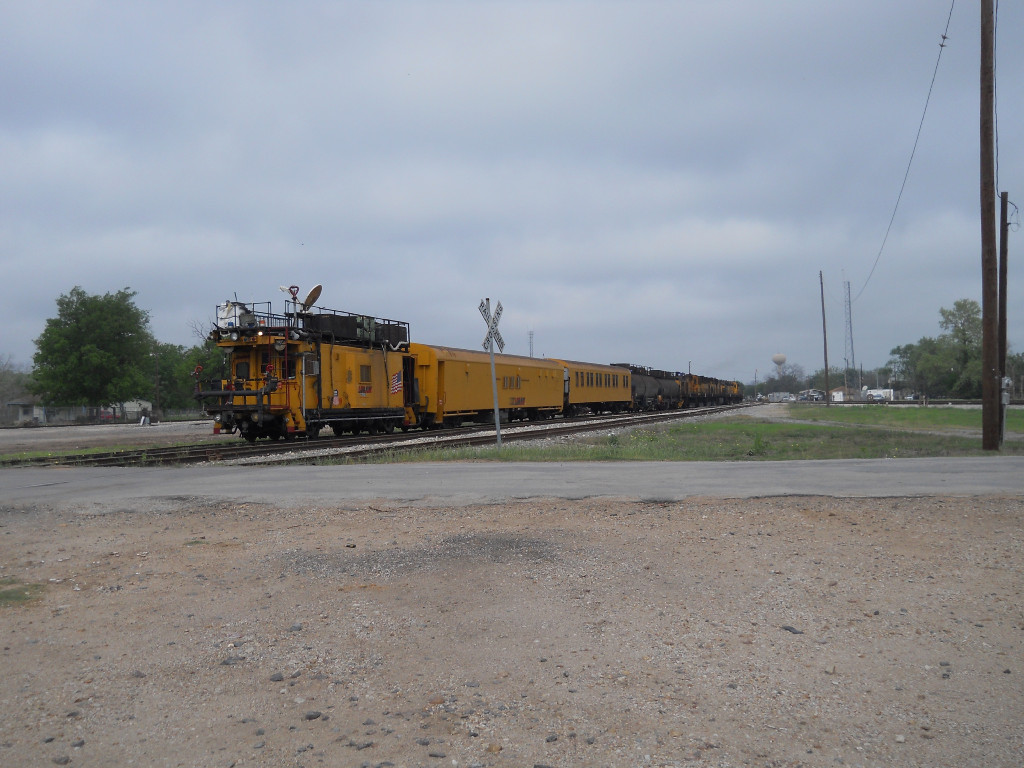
(594, 387)
(454, 386)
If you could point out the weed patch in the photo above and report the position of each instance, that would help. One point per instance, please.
(16, 592)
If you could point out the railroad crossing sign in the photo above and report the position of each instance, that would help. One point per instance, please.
(493, 336)
(492, 325)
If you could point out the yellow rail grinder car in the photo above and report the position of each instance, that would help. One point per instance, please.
(302, 371)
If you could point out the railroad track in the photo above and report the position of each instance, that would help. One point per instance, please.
(357, 447)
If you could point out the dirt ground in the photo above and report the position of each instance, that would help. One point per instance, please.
(710, 632)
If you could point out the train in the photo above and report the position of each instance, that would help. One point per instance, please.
(297, 373)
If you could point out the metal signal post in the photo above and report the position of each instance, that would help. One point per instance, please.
(493, 337)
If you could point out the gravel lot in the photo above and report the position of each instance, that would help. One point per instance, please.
(782, 632)
(794, 631)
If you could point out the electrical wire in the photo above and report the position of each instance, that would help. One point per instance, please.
(903, 186)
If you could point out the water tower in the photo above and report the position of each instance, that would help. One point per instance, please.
(779, 360)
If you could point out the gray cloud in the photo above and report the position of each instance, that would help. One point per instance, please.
(648, 181)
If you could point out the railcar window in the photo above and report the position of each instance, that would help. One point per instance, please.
(242, 369)
(364, 374)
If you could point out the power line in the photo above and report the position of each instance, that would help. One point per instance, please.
(945, 37)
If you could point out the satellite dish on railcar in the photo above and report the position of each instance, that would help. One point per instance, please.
(312, 296)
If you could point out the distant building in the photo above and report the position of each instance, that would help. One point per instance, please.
(27, 413)
(23, 412)
(841, 395)
(30, 413)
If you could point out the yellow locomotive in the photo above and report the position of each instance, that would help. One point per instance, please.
(311, 368)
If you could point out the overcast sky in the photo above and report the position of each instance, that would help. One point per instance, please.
(647, 182)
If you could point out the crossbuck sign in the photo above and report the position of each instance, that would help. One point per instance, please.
(492, 325)
(493, 338)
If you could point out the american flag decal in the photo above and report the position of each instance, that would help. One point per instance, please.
(396, 383)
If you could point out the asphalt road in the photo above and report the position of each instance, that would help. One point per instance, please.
(455, 484)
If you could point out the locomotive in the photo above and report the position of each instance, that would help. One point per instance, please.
(311, 368)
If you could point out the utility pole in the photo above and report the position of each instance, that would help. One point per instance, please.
(824, 334)
(989, 279)
(851, 357)
(1004, 390)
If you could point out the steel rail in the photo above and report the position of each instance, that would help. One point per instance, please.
(356, 446)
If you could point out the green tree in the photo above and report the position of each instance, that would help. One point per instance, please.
(949, 365)
(1015, 370)
(172, 371)
(95, 352)
(835, 378)
(790, 377)
(962, 325)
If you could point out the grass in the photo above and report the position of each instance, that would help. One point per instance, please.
(59, 453)
(15, 592)
(905, 417)
(815, 433)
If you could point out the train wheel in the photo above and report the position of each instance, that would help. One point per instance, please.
(389, 427)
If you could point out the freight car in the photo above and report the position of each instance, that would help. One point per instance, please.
(311, 368)
(655, 390)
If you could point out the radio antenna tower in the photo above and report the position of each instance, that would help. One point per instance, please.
(531, 343)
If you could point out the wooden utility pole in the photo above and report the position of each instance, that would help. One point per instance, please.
(1004, 231)
(824, 334)
(989, 279)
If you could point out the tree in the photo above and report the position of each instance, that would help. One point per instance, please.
(947, 366)
(962, 325)
(172, 369)
(95, 352)
(790, 378)
(835, 378)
